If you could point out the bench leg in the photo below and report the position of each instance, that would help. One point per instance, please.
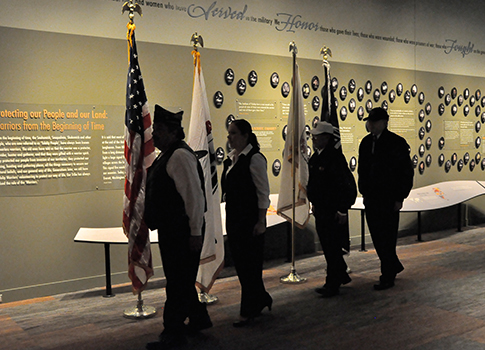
(459, 228)
(419, 227)
(362, 231)
(107, 264)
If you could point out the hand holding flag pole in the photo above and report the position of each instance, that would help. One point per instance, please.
(141, 154)
(296, 145)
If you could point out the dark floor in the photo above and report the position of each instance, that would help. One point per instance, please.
(438, 303)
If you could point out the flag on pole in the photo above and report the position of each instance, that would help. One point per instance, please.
(329, 109)
(329, 114)
(201, 139)
(296, 135)
(139, 155)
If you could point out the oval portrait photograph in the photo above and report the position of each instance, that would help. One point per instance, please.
(315, 83)
(352, 105)
(274, 80)
(229, 76)
(230, 118)
(384, 88)
(360, 94)
(407, 96)
(305, 89)
(343, 93)
(441, 92)
(285, 89)
(352, 86)
(315, 103)
(414, 90)
(252, 78)
(218, 99)
(241, 86)
(392, 96)
(368, 87)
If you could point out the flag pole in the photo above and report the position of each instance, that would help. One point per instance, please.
(196, 40)
(326, 52)
(293, 277)
(140, 311)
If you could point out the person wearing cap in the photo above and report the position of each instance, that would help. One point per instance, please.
(385, 179)
(175, 206)
(332, 190)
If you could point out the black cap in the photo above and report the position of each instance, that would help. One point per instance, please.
(166, 117)
(377, 114)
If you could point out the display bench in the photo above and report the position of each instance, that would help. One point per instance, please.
(115, 235)
(432, 197)
(107, 236)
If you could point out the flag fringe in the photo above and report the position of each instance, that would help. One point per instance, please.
(207, 259)
(207, 288)
(129, 36)
(289, 219)
(196, 55)
(137, 286)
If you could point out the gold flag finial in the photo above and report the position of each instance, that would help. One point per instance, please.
(325, 51)
(196, 39)
(131, 8)
(293, 48)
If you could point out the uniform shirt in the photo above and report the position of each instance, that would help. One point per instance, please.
(182, 168)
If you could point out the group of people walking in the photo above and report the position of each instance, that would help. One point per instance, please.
(175, 206)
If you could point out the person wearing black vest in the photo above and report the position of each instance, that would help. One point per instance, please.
(331, 189)
(175, 206)
(245, 189)
(385, 179)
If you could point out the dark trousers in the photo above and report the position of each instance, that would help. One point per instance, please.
(330, 232)
(383, 224)
(180, 266)
(247, 252)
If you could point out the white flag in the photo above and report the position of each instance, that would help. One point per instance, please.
(200, 139)
(295, 137)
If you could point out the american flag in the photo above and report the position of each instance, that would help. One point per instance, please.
(329, 109)
(139, 155)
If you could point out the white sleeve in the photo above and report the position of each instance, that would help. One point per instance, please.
(257, 167)
(182, 168)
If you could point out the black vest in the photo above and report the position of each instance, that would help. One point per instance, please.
(240, 192)
(164, 207)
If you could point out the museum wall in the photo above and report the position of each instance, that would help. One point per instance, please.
(62, 96)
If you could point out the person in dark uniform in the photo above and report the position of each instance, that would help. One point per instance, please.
(385, 179)
(175, 206)
(331, 189)
(245, 189)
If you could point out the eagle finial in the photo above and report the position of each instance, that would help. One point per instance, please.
(293, 48)
(325, 51)
(131, 8)
(196, 39)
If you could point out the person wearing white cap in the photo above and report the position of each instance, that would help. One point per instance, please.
(332, 191)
